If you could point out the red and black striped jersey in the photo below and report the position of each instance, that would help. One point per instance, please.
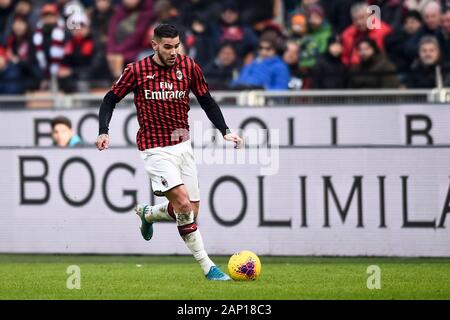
(161, 97)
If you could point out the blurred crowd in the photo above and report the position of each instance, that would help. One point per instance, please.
(83, 46)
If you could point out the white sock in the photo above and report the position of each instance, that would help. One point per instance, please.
(159, 212)
(194, 241)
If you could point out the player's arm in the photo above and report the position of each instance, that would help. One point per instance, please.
(104, 117)
(215, 115)
(212, 110)
(118, 91)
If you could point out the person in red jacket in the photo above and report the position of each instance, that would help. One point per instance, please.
(365, 24)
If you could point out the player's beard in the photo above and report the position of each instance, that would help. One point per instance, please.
(163, 60)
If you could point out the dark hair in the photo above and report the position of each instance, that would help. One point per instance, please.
(61, 120)
(165, 31)
(413, 14)
(228, 44)
(371, 43)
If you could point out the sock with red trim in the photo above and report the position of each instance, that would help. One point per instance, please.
(160, 212)
(191, 235)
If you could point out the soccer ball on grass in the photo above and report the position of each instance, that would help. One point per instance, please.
(244, 265)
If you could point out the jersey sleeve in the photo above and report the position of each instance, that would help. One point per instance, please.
(198, 85)
(125, 84)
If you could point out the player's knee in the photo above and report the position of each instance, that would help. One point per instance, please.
(184, 207)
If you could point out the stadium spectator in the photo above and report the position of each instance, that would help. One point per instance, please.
(194, 9)
(19, 51)
(221, 71)
(48, 43)
(291, 58)
(444, 37)
(200, 43)
(63, 135)
(338, 14)
(374, 71)
(166, 12)
(256, 11)
(127, 29)
(330, 72)
(359, 30)
(25, 9)
(268, 71)
(6, 8)
(100, 16)
(10, 80)
(230, 29)
(396, 42)
(298, 26)
(431, 15)
(392, 11)
(424, 69)
(315, 42)
(75, 70)
(303, 6)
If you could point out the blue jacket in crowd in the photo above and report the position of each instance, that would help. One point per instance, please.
(270, 73)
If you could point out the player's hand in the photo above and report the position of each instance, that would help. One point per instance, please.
(102, 142)
(238, 142)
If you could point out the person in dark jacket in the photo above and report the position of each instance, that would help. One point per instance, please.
(431, 15)
(395, 43)
(10, 78)
(75, 70)
(100, 16)
(19, 49)
(230, 29)
(374, 71)
(444, 38)
(220, 72)
(330, 72)
(424, 69)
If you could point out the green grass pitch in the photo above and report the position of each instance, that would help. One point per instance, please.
(180, 278)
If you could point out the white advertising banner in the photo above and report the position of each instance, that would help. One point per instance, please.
(317, 201)
(297, 126)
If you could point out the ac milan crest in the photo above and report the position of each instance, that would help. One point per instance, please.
(179, 75)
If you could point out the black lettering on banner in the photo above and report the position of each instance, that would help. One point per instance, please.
(261, 123)
(356, 187)
(130, 117)
(423, 132)
(212, 192)
(64, 167)
(33, 179)
(406, 222)
(132, 193)
(291, 131)
(262, 221)
(81, 122)
(303, 201)
(334, 134)
(38, 134)
(382, 202)
(445, 210)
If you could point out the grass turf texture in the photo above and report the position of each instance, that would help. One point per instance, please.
(169, 277)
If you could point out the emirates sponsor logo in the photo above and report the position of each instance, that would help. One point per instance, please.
(164, 95)
(166, 92)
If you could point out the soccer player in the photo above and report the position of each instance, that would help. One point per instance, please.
(161, 84)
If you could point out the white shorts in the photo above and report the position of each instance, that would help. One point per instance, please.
(171, 166)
